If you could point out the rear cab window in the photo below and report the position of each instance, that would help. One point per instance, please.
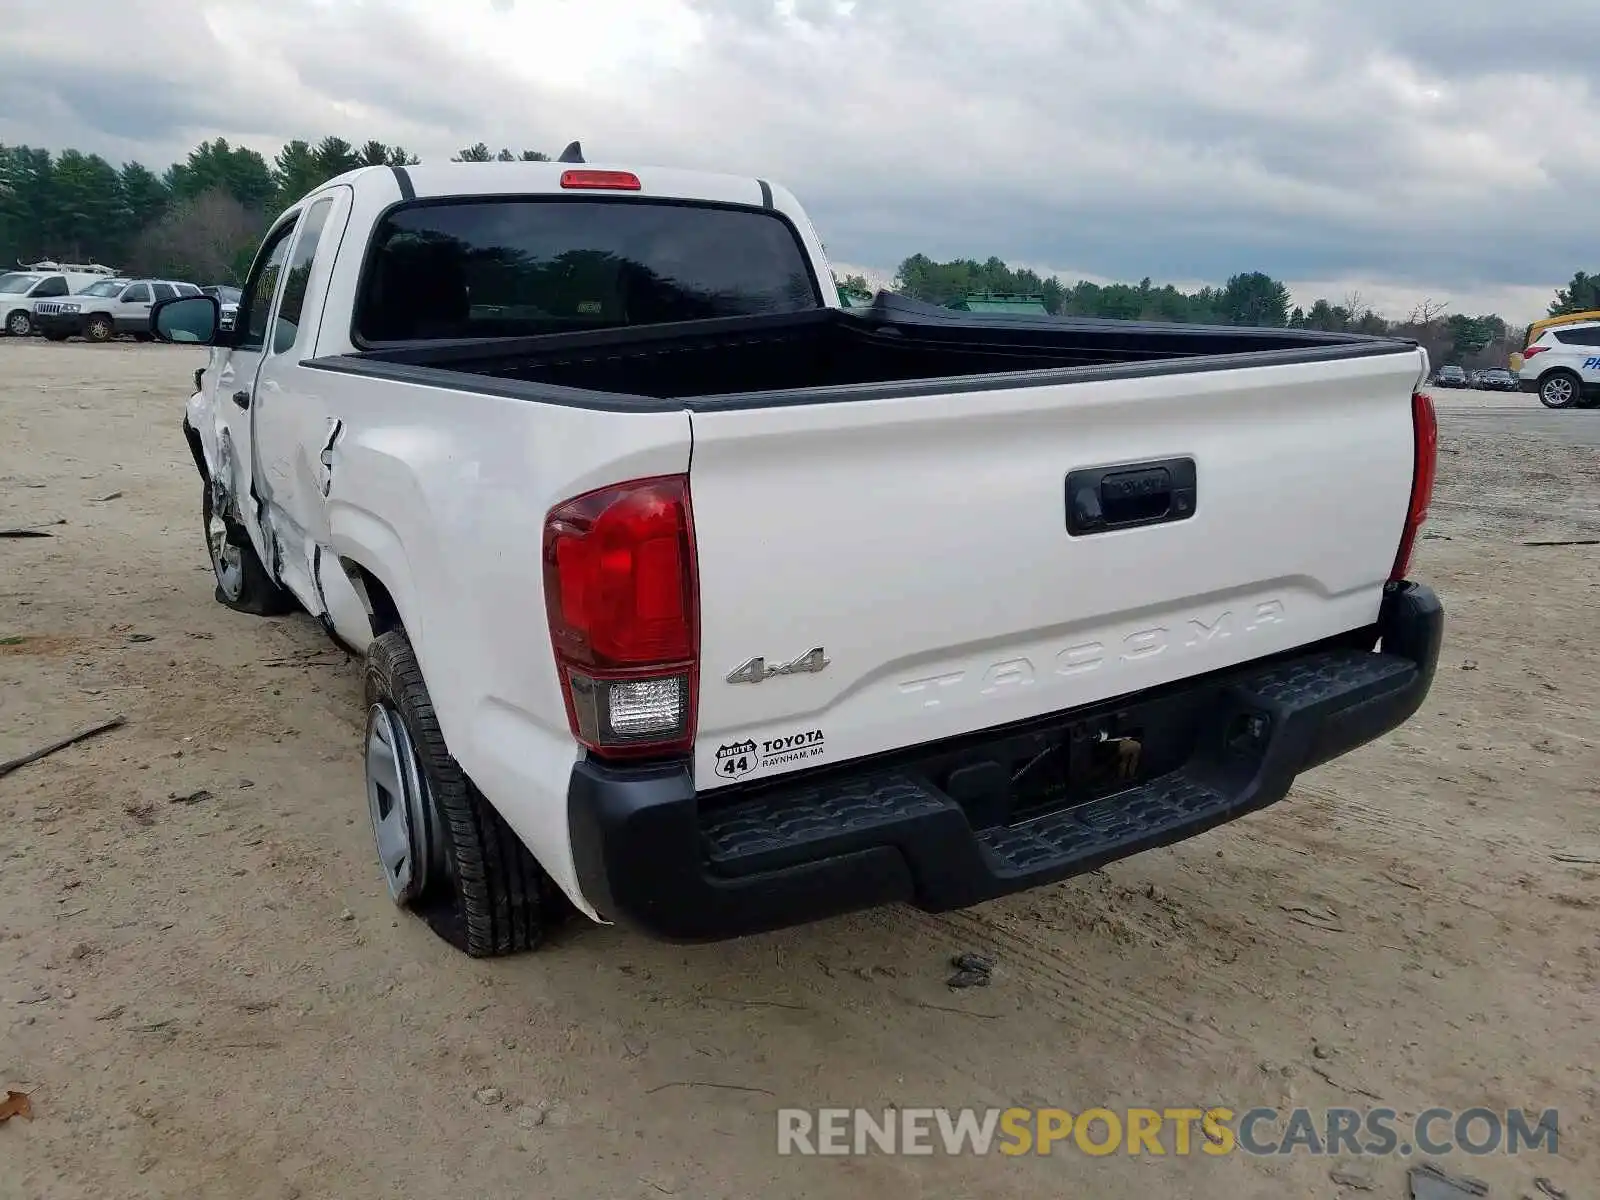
(520, 267)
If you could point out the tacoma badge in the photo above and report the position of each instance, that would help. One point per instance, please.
(755, 670)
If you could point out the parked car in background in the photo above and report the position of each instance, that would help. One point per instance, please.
(22, 290)
(1498, 379)
(108, 308)
(1451, 377)
(1562, 367)
(227, 298)
(1539, 327)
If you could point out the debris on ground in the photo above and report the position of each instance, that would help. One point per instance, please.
(145, 814)
(1430, 1182)
(22, 760)
(16, 1104)
(191, 798)
(972, 970)
(488, 1095)
(1546, 1188)
(1318, 918)
(108, 496)
(1351, 1178)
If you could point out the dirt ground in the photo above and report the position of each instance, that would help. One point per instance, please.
(207, 993)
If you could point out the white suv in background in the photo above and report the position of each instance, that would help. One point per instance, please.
(1562, 365)
(22, 290)
(108, 308)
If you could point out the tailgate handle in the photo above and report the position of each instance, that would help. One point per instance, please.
(1100, 499)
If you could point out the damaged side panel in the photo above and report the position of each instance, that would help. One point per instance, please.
(438, 498)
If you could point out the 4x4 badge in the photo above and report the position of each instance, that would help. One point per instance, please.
(755, 670)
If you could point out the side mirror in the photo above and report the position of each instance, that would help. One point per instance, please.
(189, 320)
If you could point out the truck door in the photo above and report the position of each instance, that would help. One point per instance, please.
(236, 383)
(296, 433)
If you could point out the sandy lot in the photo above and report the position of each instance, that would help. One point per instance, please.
(214, 997)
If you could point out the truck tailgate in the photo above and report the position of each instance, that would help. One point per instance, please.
(919, 546)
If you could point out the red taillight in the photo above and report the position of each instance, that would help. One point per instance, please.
(623, 600)
(1532, 350)
(617, 181)
(1425, 466)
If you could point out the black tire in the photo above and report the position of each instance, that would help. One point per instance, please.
(19, 323)
(243, 586)
(1560, 389)
(99, 328)
(492, 898)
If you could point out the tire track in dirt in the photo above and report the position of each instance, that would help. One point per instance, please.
(1081, 993)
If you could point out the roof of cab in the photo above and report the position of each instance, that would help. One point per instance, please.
(439, 180)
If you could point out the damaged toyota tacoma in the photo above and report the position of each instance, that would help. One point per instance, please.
(694, 601)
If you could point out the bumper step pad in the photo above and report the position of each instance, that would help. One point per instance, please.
(1322, 695)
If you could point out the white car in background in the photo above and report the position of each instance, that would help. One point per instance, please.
(1562, 366)
(23, 289)
(227, 298)
(108, 308)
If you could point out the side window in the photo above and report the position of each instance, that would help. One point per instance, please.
(1587, 336)
(138, 293)
(188, 289)
(287, 328)
(255, 306)
(164, 291)
(56, 285)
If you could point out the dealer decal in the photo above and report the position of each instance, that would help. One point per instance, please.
(738, 759)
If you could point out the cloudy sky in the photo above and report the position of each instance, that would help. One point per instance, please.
(1402, 149)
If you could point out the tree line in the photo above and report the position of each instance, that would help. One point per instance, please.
(1247, 298)
(200, 219)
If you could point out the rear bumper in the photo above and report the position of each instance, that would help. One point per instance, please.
(648, 854)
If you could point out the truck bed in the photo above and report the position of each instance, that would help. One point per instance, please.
(964, 522)
(894, 347)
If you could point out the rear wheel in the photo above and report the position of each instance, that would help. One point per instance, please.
(1559, 389)
(446, 854)
(242, 582)
(98, 328)
(19, 323)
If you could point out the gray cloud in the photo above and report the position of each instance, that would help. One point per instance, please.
(1429, 146)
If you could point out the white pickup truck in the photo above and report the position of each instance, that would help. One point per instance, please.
(712, 607)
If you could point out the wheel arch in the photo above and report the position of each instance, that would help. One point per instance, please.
(383, 611)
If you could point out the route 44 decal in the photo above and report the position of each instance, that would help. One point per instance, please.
(738, 759)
